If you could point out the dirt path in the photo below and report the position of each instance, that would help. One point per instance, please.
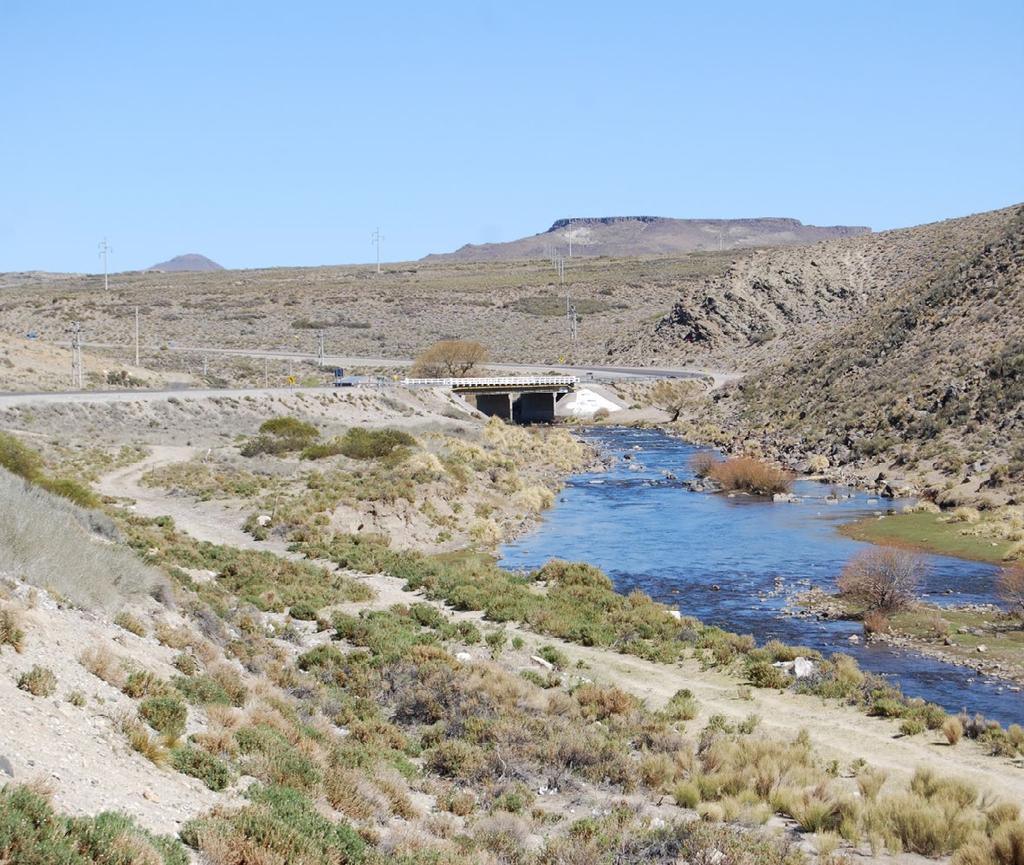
(216, 522)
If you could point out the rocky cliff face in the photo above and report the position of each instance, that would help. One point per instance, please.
(631, 236)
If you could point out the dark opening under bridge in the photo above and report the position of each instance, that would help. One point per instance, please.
(522, 399)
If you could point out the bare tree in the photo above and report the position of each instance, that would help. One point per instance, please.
(886, 579)
(449, 358)
(1010, 586)
(674, 395)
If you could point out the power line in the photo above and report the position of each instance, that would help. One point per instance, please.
(105, 249)
(77, 367)
(375, 239)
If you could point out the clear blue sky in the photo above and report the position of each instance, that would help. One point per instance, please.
(282, 133)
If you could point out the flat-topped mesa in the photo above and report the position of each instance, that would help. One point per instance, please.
(662, 236)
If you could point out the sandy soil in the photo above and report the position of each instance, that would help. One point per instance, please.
(79, 752)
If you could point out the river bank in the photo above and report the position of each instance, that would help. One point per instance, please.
(980, 637)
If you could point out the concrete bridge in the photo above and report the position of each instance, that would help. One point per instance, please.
(522, 399)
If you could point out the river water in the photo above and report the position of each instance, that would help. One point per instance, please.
(732, 561)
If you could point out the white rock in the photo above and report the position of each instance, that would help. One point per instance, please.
(540, 662)
(263, 520)
(802, 668)
(463, 656)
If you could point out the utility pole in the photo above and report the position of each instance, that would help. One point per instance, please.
(570, 237)
(136, 336)
(105, 249)
(321, 354)
(204, 366)
(77, 370)
(266, 372)
(560, 264)
(574, 331)
(375, 239)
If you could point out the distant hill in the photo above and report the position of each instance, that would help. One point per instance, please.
(628, 236)
(189, 262)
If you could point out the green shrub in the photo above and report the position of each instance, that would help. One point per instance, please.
(761, 674)
(142, 683)
(281, 824)
(558, 659)
(372, 444)
(289, 427)
(70, 489)
(32, 834)
(19, 459)
(912, 727)
(213, 772)
(303, 611)
(39, 681)
(681, 707)
(166, 715)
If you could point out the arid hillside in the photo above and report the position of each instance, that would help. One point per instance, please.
(394, 314)
(639, 236)
(773, 300)
(900, 352)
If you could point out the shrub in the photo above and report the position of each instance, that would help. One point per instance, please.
(142, 683)
(280, 435)
(39, 681)
(687, 794)
(681, 707)
(952, 729)
(166, 715)
(126, 620)
(558, 659)
(373, 444)
(876, 622)
(186, 664)
(885, 579)
(103, 664)
(11, 633)
(746, 474)
(761, 674)
(18, 458)
(303, 611)
(702, 463)
(32, 834)
(1010, 586)
(280, 825)
(911, 727)
(213, 772)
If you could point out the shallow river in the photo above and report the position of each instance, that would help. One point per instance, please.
(651, 533)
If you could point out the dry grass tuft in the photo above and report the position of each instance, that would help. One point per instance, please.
(105, 665)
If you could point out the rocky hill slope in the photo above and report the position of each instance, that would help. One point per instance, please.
(774, 299)
(901, 351)
(190, 262)
(627, 236)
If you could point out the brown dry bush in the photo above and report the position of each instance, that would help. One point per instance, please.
(746, 474)
(884, 579)
(105, 665)
(1010, 586)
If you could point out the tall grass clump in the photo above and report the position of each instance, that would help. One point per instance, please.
(47, 542)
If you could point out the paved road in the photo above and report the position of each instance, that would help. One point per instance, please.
(584, 372)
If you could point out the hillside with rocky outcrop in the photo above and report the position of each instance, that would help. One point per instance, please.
(901, 352)
(772, 300)
(639, 236)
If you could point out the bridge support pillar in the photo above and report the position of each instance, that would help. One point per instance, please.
(495, 404)
(535, 408)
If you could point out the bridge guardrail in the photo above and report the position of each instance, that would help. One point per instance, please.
(503, 381)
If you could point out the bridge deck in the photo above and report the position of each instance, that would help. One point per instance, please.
(519, 382)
